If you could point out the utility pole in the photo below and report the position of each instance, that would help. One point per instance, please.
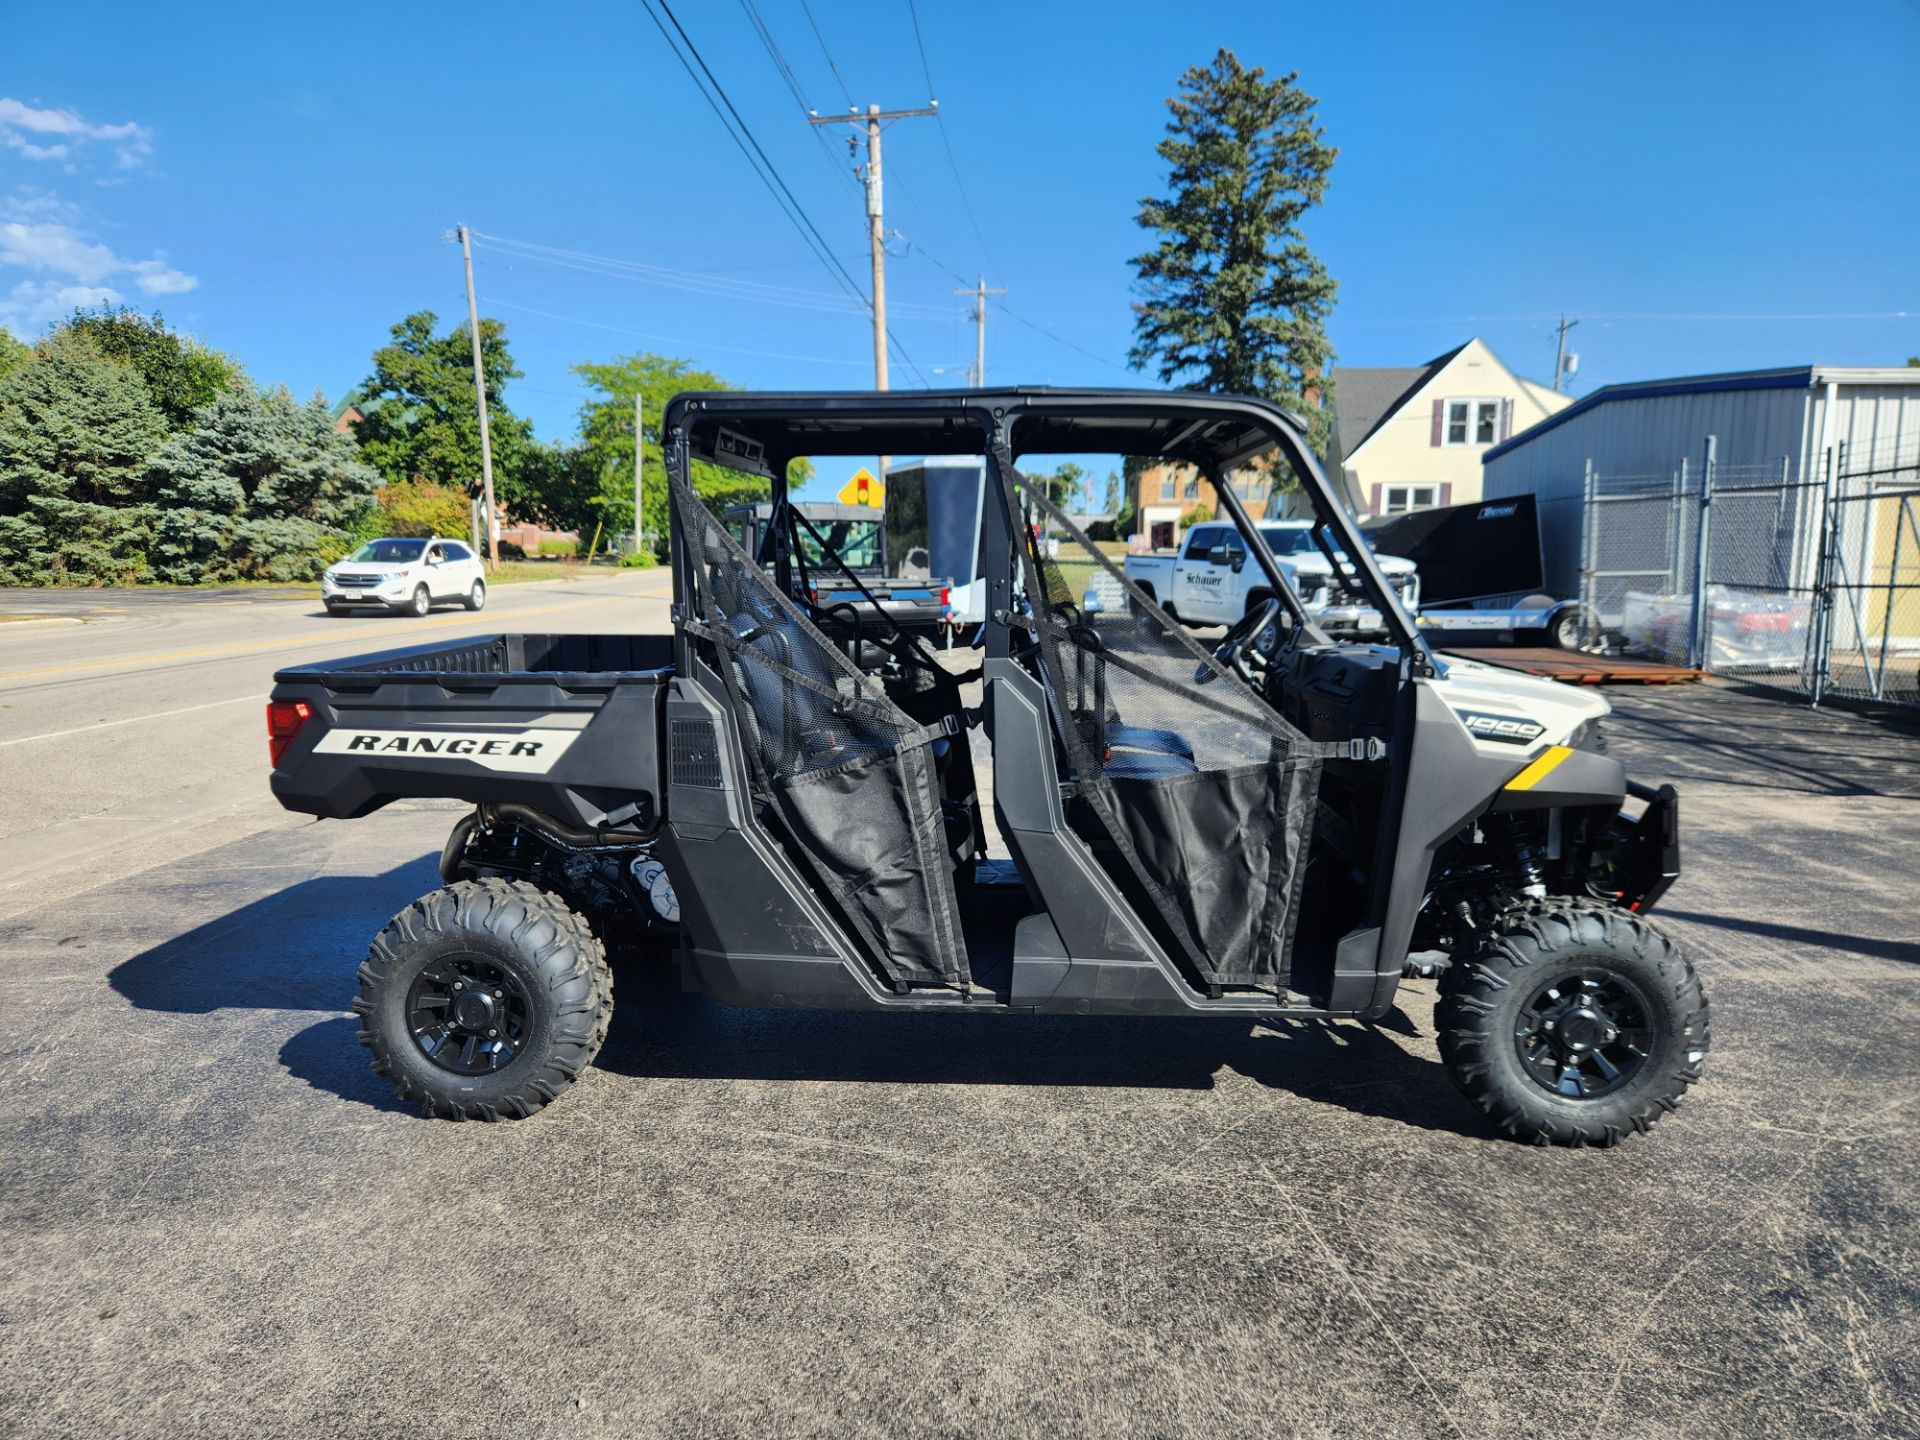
(876, 225)
(639, 448)
(1560, 351)
(480, 391)
(979, 294)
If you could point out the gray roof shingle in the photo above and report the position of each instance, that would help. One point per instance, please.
(1365, 397)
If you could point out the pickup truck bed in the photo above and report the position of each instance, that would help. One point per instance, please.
(570, 724)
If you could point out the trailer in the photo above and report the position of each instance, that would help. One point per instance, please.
(1474, 560)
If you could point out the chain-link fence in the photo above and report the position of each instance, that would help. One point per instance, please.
(1810, 582)
(1869, 627)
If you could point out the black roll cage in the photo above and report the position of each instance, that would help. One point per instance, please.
(764, 433)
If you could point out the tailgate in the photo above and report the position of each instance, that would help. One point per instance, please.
(466, 722)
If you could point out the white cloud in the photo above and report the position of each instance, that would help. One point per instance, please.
(80, 268)
(35, 206)
(63, 134)
(32, 305)
(58, 248)
(156, 277)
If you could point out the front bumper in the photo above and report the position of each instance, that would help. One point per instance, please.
(387, 593)
(1646, 850)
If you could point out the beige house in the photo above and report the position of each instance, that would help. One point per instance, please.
(1410, 438)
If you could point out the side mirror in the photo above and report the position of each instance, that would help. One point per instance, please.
(1219, 555)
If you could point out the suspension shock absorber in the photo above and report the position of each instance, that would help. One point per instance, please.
(1511, 831)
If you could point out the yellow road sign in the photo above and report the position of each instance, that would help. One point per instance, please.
(863, 489)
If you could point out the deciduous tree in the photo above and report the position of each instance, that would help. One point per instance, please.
(181, 374)
(422, 421)
(606, 435)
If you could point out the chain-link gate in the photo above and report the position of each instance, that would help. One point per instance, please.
(1808, 582)
(1869, 640)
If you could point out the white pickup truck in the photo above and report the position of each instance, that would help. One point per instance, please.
(1210, 581)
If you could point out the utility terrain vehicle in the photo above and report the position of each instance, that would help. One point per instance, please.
(796, 798)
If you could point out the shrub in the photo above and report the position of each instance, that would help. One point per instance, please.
(567, 548)
(1198, 515)
(638, 560)
(416, 508)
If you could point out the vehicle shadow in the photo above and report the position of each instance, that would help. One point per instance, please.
(296, 949)
(300, 948)
(658, 1032)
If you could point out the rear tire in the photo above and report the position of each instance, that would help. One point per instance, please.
(477, 596)
(484, 1000)
(1564, 632)
(1577, 1023)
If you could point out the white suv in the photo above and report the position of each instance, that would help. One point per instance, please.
(410, 576)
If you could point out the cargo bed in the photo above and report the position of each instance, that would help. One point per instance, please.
(569, 724)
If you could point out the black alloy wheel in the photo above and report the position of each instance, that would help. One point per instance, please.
(468, 1015)
(1584, 1034)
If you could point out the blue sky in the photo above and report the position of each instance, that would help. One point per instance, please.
(278, 180)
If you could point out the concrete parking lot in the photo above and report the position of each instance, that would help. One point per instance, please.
(215, 1220)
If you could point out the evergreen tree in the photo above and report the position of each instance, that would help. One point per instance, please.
(75, 431)
(1232, 299)
(76, 425)
(422, 422)
(261, 488)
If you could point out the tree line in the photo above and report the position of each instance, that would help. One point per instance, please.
(130, 453)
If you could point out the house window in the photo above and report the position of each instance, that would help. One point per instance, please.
(1398, 499)
(1192, 490)
(1166, 484)
(1473, 422)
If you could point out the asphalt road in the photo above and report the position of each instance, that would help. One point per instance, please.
(131, 722)
(216, 1221)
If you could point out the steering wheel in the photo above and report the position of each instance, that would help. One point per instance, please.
(1232, 649)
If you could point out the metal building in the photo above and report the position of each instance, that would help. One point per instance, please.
(1762, 421)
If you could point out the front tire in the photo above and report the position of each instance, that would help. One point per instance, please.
(477, 596)
(484, 1000)
(1577, 1023)
(419, 603)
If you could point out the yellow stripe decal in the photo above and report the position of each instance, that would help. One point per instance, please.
(1539, 769)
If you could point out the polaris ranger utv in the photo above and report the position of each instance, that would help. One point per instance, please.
(1263, 824)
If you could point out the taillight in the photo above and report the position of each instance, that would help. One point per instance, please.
(946, 597)
(284, 719)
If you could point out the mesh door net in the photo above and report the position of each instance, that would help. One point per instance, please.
(1198, 798)
(849, 775)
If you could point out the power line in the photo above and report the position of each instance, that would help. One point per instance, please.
(952, 164)
(695, 281)
(794, 87)
(670, 339)
(765, 168)
(1006, 309)
(770, 174)
(845, 93)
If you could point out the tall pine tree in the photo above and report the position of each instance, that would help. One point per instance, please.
(1232, 298)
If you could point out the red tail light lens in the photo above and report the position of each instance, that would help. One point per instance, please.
(946, 597)
(284, 719)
